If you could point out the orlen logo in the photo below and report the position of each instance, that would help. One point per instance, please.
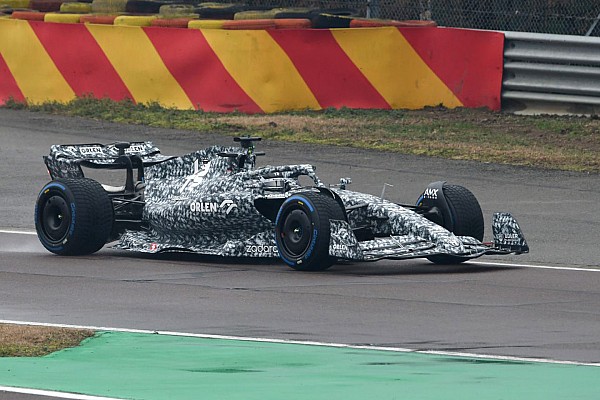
(90, 150)
(226, 206)
(430, 193)
(339, 247)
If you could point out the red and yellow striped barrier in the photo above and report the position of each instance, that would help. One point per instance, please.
(251, 71)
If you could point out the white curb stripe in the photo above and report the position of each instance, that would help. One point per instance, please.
(52, 393)
(311, 343)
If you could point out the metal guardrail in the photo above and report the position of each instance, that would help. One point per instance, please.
(553, 74)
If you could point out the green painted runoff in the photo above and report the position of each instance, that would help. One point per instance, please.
(147, 366)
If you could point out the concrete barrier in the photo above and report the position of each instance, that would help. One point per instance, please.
(252, 71)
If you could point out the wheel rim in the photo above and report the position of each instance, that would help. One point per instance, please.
(55, 218)
(296, 234)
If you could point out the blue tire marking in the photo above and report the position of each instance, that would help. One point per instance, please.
(288, 262)
(312, 244)
(72, 229)
(295, 197)
(53, 248)
(52, 184)
(304, 200)
(41, 237)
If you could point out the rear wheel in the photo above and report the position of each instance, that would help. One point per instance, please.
(466, 219)
(73, 216)
(302, 230)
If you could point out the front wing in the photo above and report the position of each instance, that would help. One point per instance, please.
(508, 239)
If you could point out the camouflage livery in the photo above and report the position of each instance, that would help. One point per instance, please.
(66, 160)
(216, 202)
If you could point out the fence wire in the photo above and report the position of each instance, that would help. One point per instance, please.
(564, 17)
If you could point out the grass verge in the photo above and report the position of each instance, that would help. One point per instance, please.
(552, 142)
(35, 341)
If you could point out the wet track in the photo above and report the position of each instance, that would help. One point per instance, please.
(483, 308)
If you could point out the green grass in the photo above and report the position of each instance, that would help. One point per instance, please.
(35, 341)
(552, 142)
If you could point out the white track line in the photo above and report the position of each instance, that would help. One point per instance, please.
(52, 393)
(13, 232)
(502, 264)
(490, 263)
(309, 343)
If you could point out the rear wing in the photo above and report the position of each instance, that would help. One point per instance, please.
(66, 160)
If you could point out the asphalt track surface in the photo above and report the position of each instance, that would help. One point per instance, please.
(482, 308)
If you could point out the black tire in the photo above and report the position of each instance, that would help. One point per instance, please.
(219, 12)
(329, 21)
(302, 230)
(73, 216)
(467, 219)
(144, 6)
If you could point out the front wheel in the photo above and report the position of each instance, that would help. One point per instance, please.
(302, 230)
(466, 219)
(73, 216)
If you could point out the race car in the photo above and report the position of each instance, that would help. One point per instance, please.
(216, 201)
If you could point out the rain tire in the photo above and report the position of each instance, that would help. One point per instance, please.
(303, 230)
(467, 219)
(73, 216)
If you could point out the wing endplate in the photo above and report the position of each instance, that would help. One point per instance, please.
(507, 234)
